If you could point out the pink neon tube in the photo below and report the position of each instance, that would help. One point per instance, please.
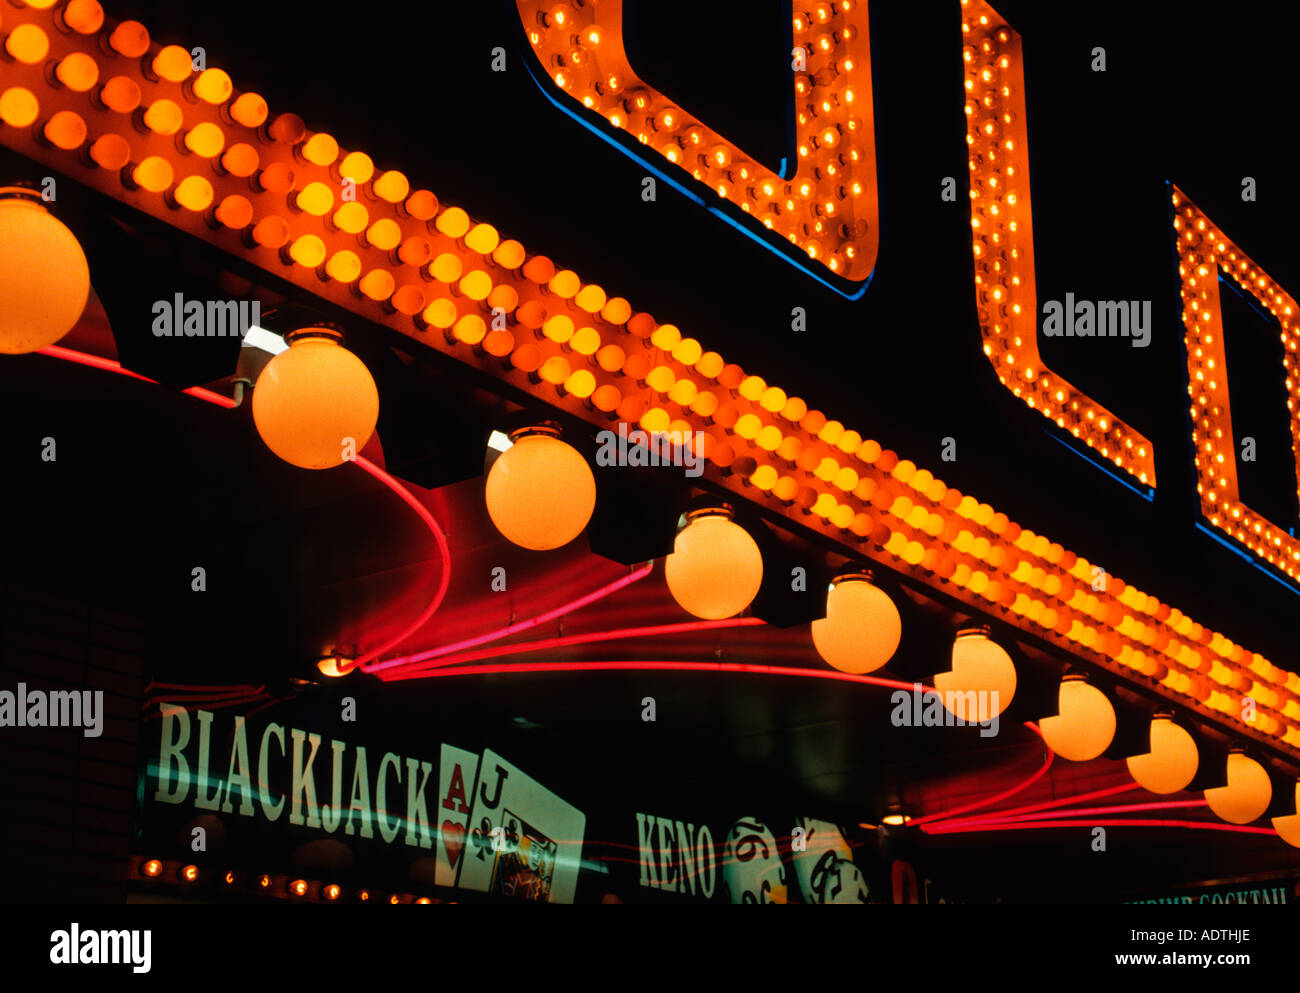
(110, 365)
(574, 639)
(515, 628)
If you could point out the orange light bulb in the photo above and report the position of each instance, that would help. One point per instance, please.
(1247, 794)
(1170, 764)
(862, 627)
(1084, 725)
(715, 568)
(44, 275)
(982, 680)
(315, 404)
(540, 492)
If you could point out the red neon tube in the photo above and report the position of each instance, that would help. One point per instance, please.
(565, 641)
(111, 365)
(444, 580)
(1047, 764)
(515, 628)
(1074, 812)
(499, 668)
(1124, 822)
(1061, 802)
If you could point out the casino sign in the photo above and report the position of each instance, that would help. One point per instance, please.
(342, 257)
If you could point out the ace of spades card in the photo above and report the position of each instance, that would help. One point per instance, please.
(524, 841)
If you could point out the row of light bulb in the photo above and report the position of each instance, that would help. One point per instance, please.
(1084, 728)
(294, 440)
(1203, 253)
(540, 494)
(1002, 246)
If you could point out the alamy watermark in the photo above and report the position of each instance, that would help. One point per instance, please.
(645, 448)
(181, 318)
(919, 707)
(125, 947)
(24, 708)
(1098, 319)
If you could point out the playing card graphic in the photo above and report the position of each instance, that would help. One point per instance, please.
(524, 841)
(525, 865)
(751, 865)
(825, 868)
(456, 777)
(808, 850)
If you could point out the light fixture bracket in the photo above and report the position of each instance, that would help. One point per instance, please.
(550, 429)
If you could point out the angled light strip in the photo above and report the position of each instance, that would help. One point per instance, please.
(1003, 232)
(1204, 252)
(827, 207)
(428, 271)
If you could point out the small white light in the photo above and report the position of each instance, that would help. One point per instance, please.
(499, 442)
(265, 340)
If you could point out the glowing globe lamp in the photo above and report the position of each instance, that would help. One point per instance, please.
(1288, 827)
(1172, 762)
(1085, 725)
(335, 666)
(44, 276)
(715, 568)
(540, 491)
(1247, 794)
(315, 404)
(861, 630)
(982, 680)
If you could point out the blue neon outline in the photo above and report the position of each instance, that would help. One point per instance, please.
(1251, 558)
(1148, 494)
(617, 140)
(1250, 299)
(1199, 515)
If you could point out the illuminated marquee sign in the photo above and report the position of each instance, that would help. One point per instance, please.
(675, 856)
(581, 48)
(496, 829)
(1205, 252)
(833, 193)
(267, 189)
(1002, 227)
(827, 204)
